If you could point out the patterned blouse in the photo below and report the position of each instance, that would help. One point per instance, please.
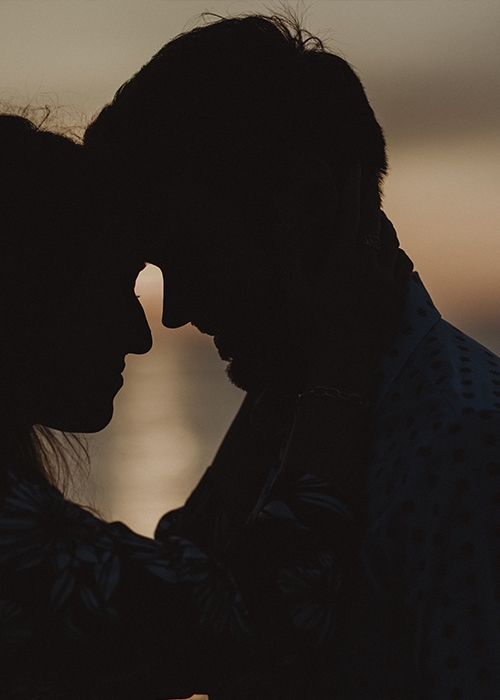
(91, 610)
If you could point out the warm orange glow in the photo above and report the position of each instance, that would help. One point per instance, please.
(169, 419)
(443, 199)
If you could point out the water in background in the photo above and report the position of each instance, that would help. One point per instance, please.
(169, 419)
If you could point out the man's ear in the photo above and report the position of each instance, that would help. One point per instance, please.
(315, 194)
(310, 208)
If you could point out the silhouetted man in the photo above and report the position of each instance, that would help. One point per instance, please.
(230, 150)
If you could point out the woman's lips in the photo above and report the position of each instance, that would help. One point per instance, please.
(118, 379)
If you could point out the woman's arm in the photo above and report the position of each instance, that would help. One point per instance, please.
(102, 612)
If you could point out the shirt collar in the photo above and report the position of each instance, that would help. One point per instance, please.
(419, 316)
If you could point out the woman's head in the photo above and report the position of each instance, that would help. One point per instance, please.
(68, 311)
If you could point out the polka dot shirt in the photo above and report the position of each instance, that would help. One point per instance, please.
(422, 618)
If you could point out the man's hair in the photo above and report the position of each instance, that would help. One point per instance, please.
(230, 103)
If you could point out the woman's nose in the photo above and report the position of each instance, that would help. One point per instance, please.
(173, 315)
(140, 339)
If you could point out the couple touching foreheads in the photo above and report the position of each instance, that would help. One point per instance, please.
(245, 161)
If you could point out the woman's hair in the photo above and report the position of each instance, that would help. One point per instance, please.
(56, 455)
(36, 194)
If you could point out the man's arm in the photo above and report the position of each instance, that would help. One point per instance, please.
(229, 489)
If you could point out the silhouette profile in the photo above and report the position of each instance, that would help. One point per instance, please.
(235, 145)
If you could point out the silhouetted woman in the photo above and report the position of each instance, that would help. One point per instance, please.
(89, 609)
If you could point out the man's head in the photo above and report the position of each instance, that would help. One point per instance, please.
(228, 149)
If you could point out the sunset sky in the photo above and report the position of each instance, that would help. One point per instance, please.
(431, 70)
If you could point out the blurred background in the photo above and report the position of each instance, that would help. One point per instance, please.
(431, 70)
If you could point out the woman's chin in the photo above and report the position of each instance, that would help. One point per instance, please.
(93, 420)
(82, 409)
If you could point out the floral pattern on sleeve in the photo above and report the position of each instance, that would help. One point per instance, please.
(101, 612)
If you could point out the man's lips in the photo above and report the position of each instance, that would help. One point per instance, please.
(224, 344)
(221, 345)
(206, 330)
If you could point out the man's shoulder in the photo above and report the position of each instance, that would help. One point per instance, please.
(448, 369)
(462, 371)
(428, 356)
(439, 422)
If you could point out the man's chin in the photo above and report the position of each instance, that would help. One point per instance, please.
(260, 361)
(255, 377)
(241, 377)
